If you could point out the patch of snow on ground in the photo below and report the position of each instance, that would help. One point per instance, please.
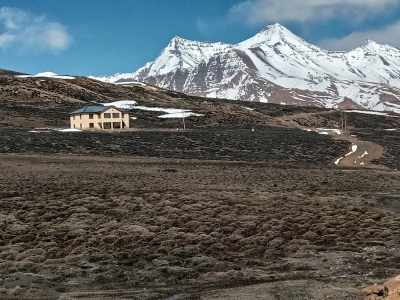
(391, 129)
(160, 109)
(248, 108)
(328, 131)
(42, 130)
(48, 130)
(123, 104)
(180, 115)
(69, 130)
(46, 75)
(337, 162)
(368, 112)
(353, 150)
(170, 113)
(364, 155)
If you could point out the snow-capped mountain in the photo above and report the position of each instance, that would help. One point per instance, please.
(277, 66)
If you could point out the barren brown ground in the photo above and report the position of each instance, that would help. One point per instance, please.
(271, 217)
(155, 228)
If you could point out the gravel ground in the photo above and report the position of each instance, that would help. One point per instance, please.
(176, 227)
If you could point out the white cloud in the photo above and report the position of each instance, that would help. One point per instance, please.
(387, 35)
(22, 30)
(264, 11)
(12, 18)
(6, 40)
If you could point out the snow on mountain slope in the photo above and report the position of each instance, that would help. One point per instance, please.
(277, 66)
(183, 54)
(46, 75)
(113, 78)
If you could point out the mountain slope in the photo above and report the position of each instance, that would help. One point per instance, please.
(277, 66)
(9, 72)
(32, 101)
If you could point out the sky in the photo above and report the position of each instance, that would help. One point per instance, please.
(102, 37)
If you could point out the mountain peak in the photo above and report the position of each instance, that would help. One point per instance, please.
(273, 34)
(178, 43)
(178, 40)
(375, 47)
(371, 44)
(277, 28)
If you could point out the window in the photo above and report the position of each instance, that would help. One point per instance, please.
(80, 125)
(90, 116)
(115, 115)
(107, 125)
(107, 116)
(80, 117)
(74, 126)
(91, 125)
(116, 125)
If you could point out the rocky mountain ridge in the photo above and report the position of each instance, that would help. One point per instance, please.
(279, 67)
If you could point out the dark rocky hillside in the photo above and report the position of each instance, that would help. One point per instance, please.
(36, 102)
(274, 145)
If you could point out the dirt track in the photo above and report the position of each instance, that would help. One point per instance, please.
(376, 148)
(361, 154)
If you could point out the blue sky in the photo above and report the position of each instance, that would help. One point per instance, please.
(104, 37)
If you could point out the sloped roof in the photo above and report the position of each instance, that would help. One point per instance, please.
(92, 109)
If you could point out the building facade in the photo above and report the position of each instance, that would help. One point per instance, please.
(99, 118)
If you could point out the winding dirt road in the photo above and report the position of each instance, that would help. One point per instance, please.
(361, 153)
